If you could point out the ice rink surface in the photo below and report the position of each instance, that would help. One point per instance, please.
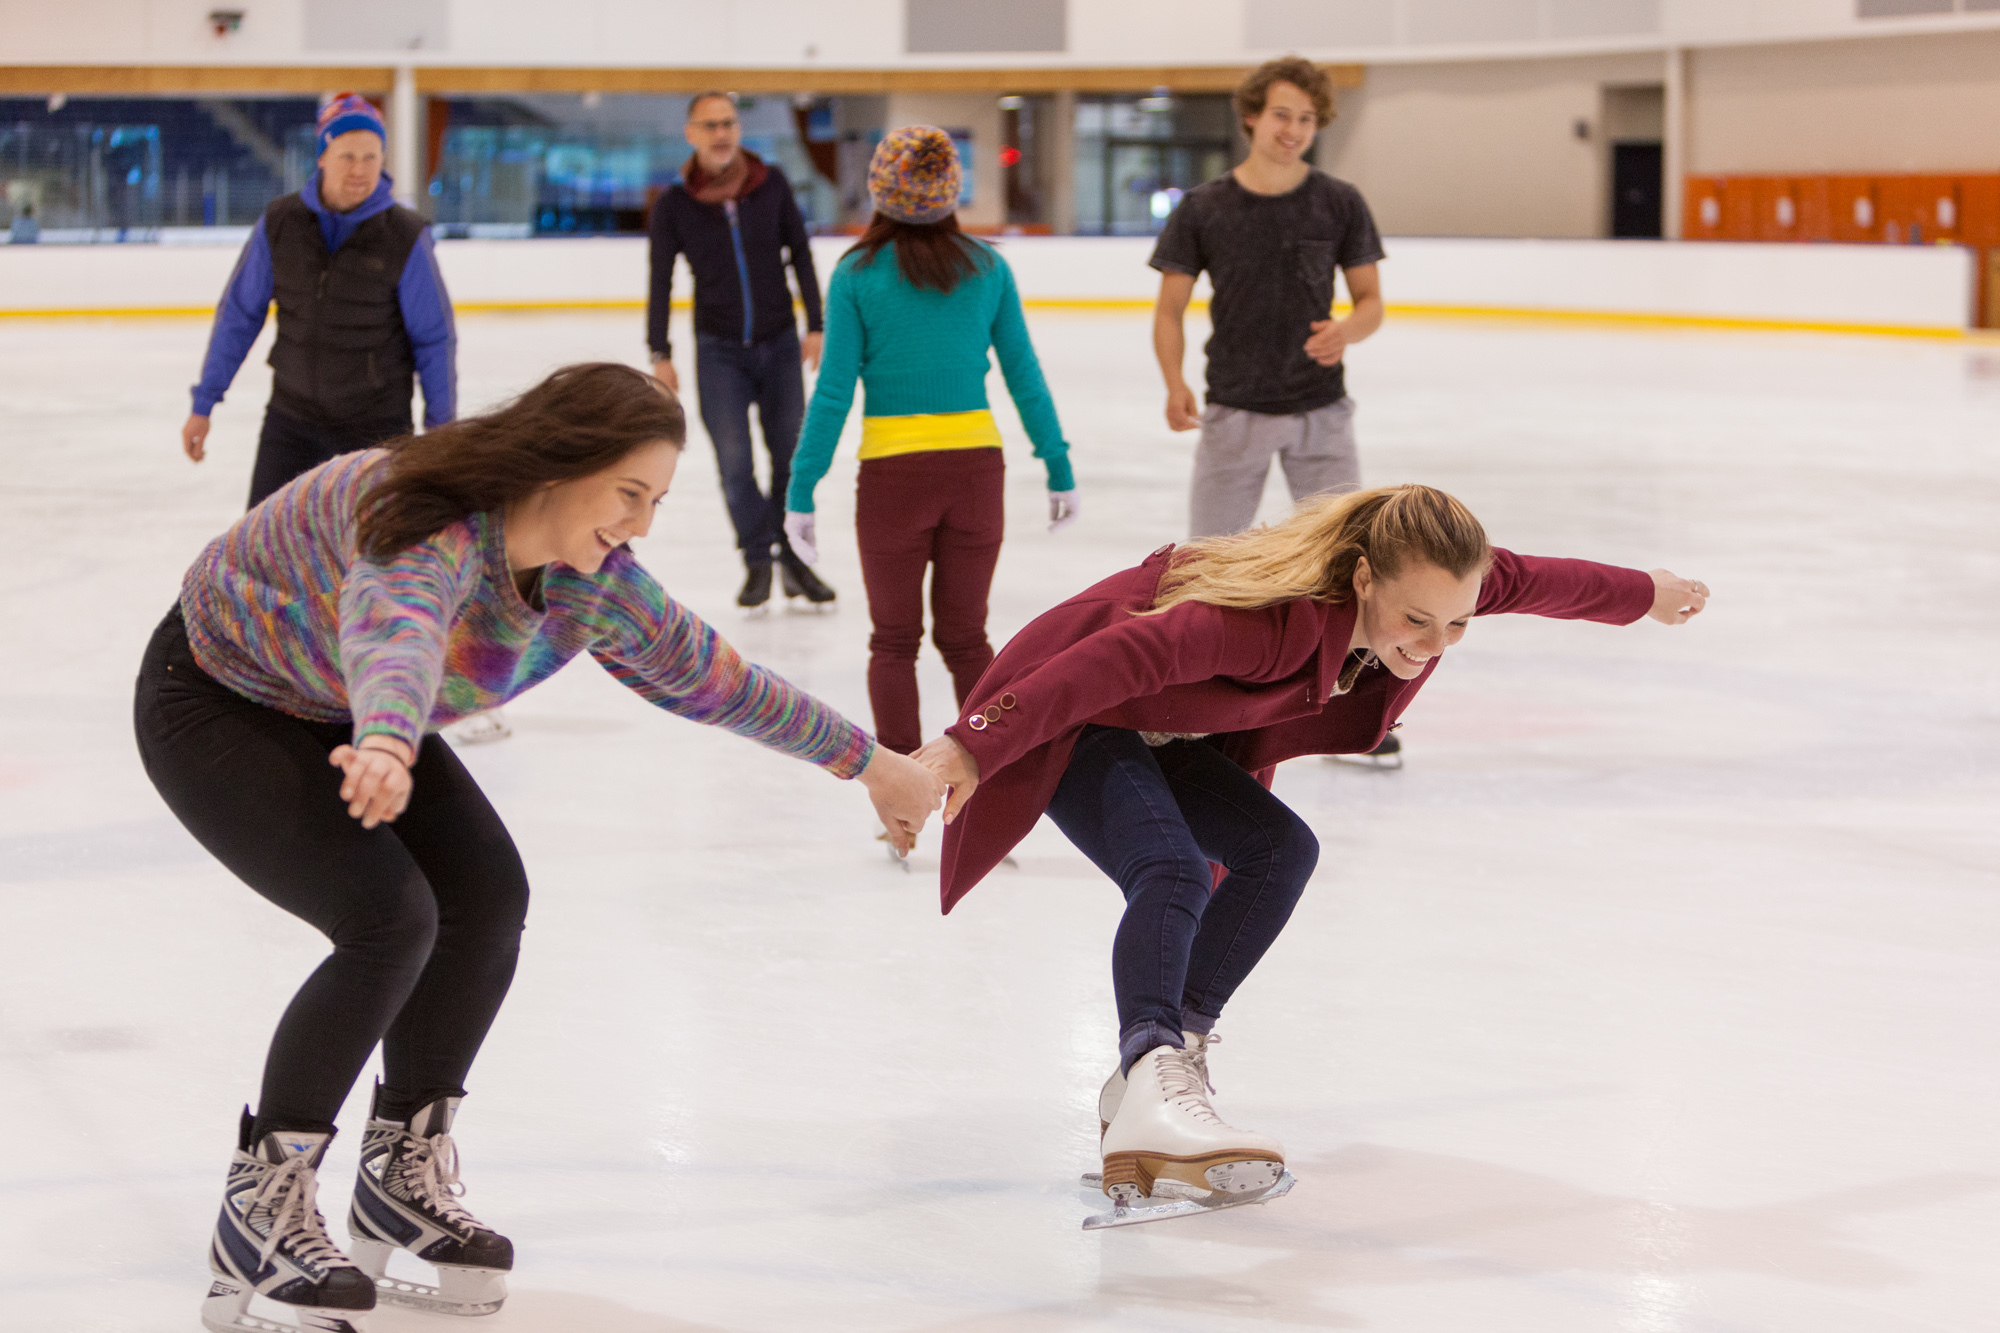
(1657, 994)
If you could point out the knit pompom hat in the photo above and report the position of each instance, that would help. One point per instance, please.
(349, 111)
(915, 175)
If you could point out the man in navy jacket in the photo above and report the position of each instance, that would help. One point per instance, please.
(362, 312)
(734, 217)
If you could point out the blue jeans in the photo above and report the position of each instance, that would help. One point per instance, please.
(730, 377)
(1153, 819)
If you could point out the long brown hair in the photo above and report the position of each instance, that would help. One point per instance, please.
(1315, 552)
(936, 255)
(578, 421)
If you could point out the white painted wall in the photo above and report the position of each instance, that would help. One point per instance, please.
(1919, 287)
(869, 33)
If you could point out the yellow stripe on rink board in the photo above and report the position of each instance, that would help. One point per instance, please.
(1421, 310)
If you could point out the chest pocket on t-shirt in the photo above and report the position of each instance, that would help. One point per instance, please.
(1315, 259)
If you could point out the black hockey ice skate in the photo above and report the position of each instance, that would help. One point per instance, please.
(271, 1241)
(800, 581)
(406, 1197)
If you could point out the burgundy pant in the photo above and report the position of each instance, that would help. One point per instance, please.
(943, 510)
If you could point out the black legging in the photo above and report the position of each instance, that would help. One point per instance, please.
(425, 914)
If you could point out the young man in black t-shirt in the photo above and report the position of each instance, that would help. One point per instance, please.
(1270, 235)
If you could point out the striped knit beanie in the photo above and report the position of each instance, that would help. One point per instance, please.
(915, 176)
(349, 111)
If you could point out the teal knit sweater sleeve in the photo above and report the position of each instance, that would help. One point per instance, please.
(1030, 392)
(833, 392)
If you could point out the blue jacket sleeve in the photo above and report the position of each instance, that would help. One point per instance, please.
(1023, 372)
(239, 318)
(833, 392)
(433, 335)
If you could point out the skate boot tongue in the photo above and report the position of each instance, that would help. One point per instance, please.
(284, 1145)
(434, 1118)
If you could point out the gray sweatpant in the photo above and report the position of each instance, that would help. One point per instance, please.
(1316, 450)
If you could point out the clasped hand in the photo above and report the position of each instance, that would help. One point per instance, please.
(955, 767)
(904, 792)
(377, 783)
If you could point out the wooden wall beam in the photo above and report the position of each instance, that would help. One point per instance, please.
(447, 80)
(189, 80)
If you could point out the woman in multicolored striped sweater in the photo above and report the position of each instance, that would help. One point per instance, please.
(287, 711)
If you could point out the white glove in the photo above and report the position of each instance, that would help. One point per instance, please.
(799, 532)
(1063, 509)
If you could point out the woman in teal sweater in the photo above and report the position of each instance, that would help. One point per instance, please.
(917, 332)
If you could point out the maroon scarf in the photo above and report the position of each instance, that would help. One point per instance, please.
(745, 172)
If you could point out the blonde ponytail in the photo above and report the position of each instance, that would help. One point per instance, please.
(1314, 552)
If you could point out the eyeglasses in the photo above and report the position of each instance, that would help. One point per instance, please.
(713, 126)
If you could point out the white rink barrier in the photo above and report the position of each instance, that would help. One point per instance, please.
(1858, 288)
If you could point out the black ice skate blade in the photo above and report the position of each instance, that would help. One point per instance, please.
(459, 1291)
(802, 606)
(1160, 1208)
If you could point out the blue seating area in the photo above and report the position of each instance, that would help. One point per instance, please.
(204, 174)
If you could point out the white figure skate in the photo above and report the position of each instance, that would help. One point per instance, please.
(1165, 1132)
(1113, 1092)
(406, 1197)
(271, 1241)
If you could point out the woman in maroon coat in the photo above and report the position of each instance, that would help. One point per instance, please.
(1145, 715)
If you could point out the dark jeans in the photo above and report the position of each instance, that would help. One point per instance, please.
(425, 914)
(944, 511)
(1153, 819)
(287, 447)
(730, 377)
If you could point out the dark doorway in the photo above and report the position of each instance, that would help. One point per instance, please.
(1636, 190)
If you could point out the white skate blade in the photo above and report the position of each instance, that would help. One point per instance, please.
(1381, 763)
(479, 729)
(459, 1291)
(896, 858)
(797, 604)
(1160, 1207)
(226, 1309)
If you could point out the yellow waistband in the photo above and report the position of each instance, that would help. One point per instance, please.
(928, 432)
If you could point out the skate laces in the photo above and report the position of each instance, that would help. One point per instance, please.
(289, 1196)
(1201, 1058)
(1182, 1079)
(428, 1169)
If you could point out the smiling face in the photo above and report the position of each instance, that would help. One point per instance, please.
(1410, 619)
(581, 522)
(350, 169)
(1283, 131)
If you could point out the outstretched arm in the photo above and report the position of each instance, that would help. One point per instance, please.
(672, 658)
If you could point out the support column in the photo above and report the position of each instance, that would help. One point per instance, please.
(405, 132)
(1674, 155)
(1058, 148)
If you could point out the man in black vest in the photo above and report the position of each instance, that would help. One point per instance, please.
(733, 215)
(362, 312)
